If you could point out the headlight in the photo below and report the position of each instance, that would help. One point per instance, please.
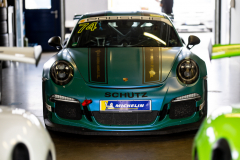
(61, 72)
(188, 71)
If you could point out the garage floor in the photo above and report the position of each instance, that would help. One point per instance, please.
(22, 88)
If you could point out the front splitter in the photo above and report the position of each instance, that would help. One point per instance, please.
(84, 131)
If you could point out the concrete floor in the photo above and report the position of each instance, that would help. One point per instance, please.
(22, 88)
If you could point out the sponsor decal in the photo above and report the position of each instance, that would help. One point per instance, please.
(126, 95)
(97, 65)
(123, 106)
(74, 44)
(152, 64)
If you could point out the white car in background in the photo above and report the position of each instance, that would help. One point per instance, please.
(193, 15)
(23, 137)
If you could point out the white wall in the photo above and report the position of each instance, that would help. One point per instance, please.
(73, 7)
(134, 5)
(235, 25)
(235, 22)
(225, 22)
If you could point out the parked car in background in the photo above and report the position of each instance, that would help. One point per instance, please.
(23, 137)
(218, 136)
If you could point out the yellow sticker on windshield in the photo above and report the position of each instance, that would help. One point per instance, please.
(92, 26)
(156, 15)
(84, 25)
(83, 20)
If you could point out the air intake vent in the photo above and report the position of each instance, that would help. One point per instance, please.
(68, 110)
(182, 109)
(125, 118)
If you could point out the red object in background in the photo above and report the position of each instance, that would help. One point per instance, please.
(86, 102)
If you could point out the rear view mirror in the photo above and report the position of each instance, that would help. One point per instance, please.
(193, 40)
(55, 42)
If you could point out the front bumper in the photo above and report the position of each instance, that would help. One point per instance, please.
(83, 131)
(161, 99)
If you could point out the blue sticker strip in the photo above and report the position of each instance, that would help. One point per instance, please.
(100, 26)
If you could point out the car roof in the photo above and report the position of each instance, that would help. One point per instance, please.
(119, 13)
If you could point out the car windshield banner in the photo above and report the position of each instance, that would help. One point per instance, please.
(125, 106)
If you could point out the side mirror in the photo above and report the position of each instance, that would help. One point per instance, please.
(193, 40)
(55, 42)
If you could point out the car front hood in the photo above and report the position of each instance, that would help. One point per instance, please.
(124, 67)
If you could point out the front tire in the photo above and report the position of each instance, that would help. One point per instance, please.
(196, 155)
(49, 157)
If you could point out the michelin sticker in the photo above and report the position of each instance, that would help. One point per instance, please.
(125, 106)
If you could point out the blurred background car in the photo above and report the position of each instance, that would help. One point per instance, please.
(23, 137)
(218, 136)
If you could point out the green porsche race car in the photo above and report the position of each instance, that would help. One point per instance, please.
(124, 73)
(218, 136)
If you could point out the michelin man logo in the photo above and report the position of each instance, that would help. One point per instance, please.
(109, 106)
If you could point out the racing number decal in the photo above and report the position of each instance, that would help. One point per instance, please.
(91, 27)
(84, 25)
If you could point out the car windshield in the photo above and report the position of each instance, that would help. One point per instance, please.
(124, 33)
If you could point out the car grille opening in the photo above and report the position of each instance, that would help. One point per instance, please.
(182, 109)
(125, 118)
(68, 110)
